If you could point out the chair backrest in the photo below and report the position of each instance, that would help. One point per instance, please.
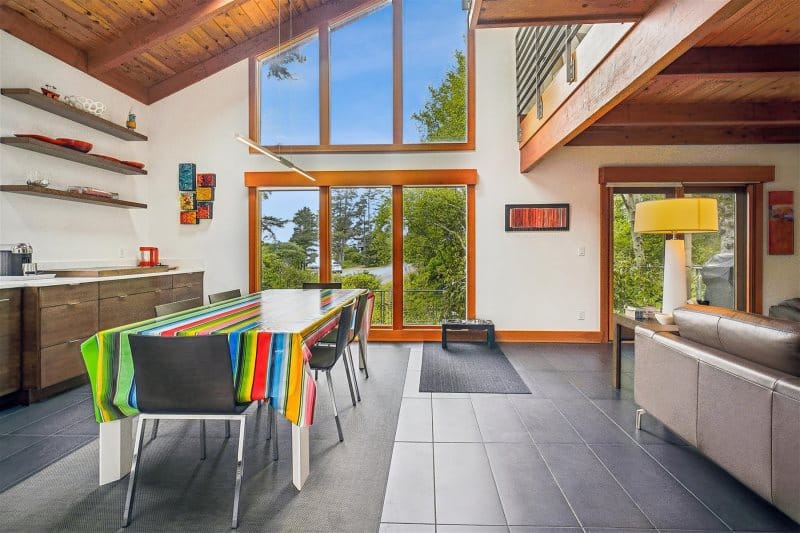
(335, 285)
(222, 296)
(182, 374)
(343, 334)
(181, 305)
(361, 307)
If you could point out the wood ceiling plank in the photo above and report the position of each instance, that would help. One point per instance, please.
(95, 19)
(231, 29)
(141, 38)
(703, 114)
(498, 13)
(662, 36)
(50, 17)
(213, 30)
(267, 8)
(254, 13)
(153, 61)
(206, 41)
(736, 61)
(764, 22)
(248, 26)
(684, 135)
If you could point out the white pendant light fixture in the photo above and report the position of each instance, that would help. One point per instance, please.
(272, 155)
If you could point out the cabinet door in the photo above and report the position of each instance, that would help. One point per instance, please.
(67, 294)
(62, 362)
(68, 323)
(10, 345)
(127, 287)
(124, 310)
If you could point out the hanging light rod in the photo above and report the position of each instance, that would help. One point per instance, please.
(272, 155)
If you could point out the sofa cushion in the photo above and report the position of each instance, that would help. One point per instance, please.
(786, 447)
(787, 310)
(771, 342)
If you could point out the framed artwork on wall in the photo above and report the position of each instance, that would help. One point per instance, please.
(781, 222)
(537, 217)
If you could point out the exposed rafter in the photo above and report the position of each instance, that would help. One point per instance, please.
(141, 38)
(680, 135)
(263, 42)
(663, 35)
(501, 13)
(731, 62)
(636, 115)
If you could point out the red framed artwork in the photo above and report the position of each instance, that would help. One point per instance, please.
(537, 217)
(781, 222)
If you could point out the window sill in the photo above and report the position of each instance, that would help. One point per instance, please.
(370, 148)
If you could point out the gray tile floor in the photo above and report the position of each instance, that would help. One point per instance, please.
(565, 458)
(36, 436)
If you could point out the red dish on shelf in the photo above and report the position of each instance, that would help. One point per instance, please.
(134, 164)
(107, 157)
(81, 146)
(43, 138)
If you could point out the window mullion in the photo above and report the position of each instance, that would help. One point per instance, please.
(324, 225)
(397, 71)
(397, 257)
(324, 85)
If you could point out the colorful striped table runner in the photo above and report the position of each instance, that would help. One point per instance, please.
(268, 333)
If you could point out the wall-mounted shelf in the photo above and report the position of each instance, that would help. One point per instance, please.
(33, 190)
(61, 152)
(37, 99)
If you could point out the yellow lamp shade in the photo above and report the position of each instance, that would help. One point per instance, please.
(676, 215)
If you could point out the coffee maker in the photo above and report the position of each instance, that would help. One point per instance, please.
(13, 256)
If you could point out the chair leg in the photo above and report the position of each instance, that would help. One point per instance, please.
(362, 356)
(349, 379)
(316, 375)
(154, 431)
(202, 439)
(269, 422)
(333, 401)
(639, 413)
(137, 453)
(227, 429)
(274, 422)
(239, 467)
(353, 371)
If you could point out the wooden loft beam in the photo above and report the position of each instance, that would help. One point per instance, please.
(663, 35)
(731, 62)
(258, 44)
(26, 30)
(131, 43)
(681, 135)
(503, 13)
(703, 114)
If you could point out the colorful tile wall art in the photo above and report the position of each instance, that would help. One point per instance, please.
(196, 194)
(781, 222)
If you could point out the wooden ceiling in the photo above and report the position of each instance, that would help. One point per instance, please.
(150, 49)
(739, 84)
(498, 13)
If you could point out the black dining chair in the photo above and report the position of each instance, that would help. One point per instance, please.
(222, 296)
(184, 378)
(361, 332)
(325, 356)
(333, 285)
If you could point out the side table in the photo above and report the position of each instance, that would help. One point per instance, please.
(623, 321)
(460, 325)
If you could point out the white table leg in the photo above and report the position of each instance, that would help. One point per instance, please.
(300, 455)
(116, 449)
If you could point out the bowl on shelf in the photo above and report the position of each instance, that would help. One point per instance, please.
(81, 146)
(665, 319)
(134, 164)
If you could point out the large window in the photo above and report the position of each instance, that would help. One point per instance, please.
(406, 235)
(394, 77)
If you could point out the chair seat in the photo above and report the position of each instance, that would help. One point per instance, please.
(322, 357)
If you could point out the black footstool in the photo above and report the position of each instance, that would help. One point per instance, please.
(462, 325)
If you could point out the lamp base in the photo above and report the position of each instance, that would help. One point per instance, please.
(675, 293)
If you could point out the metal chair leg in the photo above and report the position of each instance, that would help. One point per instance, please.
(316, 375)
(353, 371)
(137, 453)
(639, 413)
(239, 468)
(269, 422)
(202, 439)
(274, 422)
(154, 431)
(362, 356)
(349, 379)
(227, 429)
(333, 401)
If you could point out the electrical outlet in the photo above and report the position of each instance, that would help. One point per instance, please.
(581, 251)
(581, 315)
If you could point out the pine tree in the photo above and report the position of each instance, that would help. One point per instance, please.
(443, 118)
(306, 233)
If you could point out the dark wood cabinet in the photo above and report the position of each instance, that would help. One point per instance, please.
(58, 318)
(10, 341)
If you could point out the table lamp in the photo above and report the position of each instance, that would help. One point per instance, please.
(673, 216)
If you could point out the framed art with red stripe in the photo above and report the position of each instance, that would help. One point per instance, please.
(537, 217)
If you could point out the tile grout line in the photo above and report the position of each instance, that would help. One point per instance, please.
(488, 462)
(536, 446)
(46, 416)
(641, 447)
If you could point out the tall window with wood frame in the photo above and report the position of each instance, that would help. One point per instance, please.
(396, 76)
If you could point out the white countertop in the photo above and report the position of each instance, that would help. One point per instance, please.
(71, 281)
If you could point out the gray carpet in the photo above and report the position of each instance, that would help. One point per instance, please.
(468, 367)
(178, 492)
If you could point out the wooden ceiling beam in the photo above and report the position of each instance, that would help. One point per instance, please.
(703, 114)
(598, 135)
(505, 13)
(132, 43)
(731, 62)
(663, 35)
(301, 26)
(26, 30)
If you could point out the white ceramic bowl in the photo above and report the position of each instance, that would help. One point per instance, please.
(665, 319)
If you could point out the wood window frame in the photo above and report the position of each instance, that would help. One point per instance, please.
(676, 177)
(396, 179)
(325, 146)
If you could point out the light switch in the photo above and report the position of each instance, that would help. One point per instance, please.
(581, 251)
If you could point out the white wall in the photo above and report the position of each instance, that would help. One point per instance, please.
(525, 281)
(66, 232)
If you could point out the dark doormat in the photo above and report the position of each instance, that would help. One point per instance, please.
(468, 367)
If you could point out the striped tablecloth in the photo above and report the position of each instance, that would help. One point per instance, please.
(268, 333)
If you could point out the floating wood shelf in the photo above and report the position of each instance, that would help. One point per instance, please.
(54, 150)
(37, 99)
(33, 190)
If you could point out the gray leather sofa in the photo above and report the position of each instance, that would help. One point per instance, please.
(729, 384)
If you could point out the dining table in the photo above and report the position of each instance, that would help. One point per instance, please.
(269, 337)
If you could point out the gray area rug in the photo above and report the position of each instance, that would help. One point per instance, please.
(179, 492)
(468, 367)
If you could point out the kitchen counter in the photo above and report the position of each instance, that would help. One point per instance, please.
(74, 281)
